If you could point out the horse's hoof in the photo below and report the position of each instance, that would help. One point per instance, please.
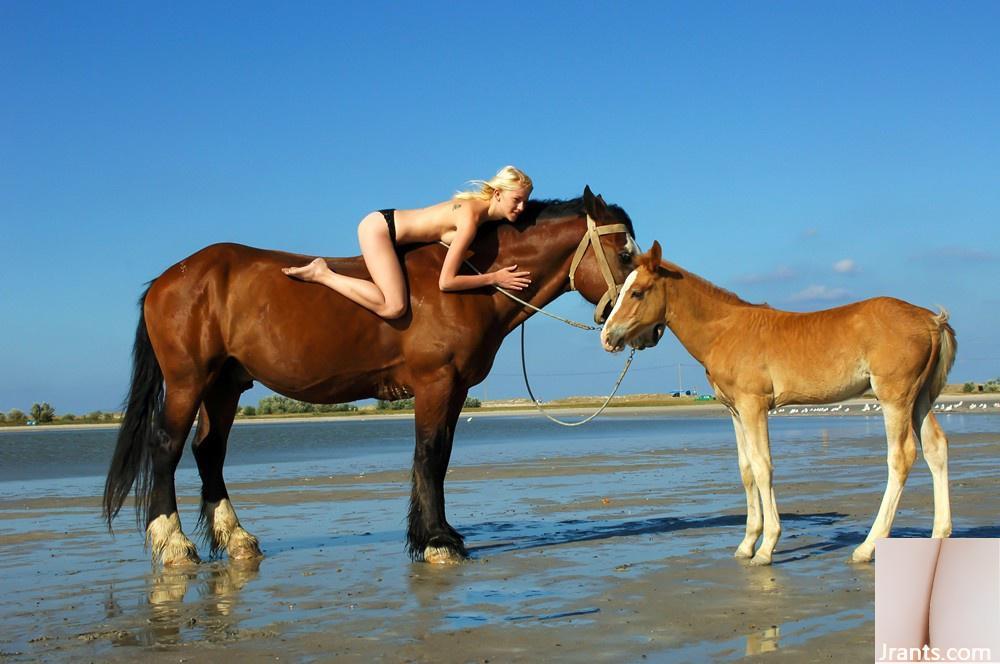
(188, 556)
(245, 553)
(243, 546)
(743, 553)
(760, 561)
(440, 555)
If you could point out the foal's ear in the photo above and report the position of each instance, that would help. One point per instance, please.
(651, 259)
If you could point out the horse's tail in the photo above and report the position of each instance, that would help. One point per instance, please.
(947, 346)
(132, 462)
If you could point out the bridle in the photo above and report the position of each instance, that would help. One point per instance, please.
(593, 237)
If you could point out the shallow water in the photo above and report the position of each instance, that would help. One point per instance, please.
(612, 540)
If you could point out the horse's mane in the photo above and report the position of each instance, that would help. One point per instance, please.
(538, 211)
(705, 285)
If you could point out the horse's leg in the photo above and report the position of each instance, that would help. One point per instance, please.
(902, 451)
(222, 526)
(935, 446)
(436, 411)
(163, 527)
(753, 417)
(755, 522)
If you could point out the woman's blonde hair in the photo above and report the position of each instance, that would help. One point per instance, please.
(507, 178)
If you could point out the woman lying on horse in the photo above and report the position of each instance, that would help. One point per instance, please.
(453, 222)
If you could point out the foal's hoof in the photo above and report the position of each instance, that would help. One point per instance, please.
(440, 555)
(861, 555)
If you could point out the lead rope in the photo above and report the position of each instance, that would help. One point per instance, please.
(600, 410)
(524, 366)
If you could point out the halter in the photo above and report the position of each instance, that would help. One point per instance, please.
(593, 237)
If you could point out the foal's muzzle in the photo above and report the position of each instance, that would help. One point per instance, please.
(649, 338)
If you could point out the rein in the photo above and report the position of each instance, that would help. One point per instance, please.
(593, 236)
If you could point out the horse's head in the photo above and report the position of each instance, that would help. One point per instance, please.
(604, 256)
(639, 316)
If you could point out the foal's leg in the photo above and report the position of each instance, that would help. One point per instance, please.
(163, 526)
(436, 411)
(901, 454)
(935, 446)
(755, 521)
(223, 528)
(753, 416)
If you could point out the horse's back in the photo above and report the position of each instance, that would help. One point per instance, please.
(236, 258)
(233, 301)
(838, 347)
(861, 317)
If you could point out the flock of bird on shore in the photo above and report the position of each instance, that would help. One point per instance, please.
(961, 406)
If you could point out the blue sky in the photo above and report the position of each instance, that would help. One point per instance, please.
(803, 154)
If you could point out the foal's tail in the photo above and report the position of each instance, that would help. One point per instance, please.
(132, 462)
(947, 346)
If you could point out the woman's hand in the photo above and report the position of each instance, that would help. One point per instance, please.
(511, 279)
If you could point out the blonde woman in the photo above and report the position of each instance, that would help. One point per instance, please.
(455, 222)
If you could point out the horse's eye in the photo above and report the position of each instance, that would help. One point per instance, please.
(625, 257)
(638, 294)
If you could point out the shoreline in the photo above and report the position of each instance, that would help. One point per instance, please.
(685, 408)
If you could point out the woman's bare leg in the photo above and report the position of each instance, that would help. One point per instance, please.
(386, 295)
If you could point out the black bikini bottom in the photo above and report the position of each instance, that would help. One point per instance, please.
(390, 221)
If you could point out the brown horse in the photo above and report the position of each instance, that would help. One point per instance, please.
(226, 316)
(757, 358)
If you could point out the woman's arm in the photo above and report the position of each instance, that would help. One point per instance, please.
(450, 280)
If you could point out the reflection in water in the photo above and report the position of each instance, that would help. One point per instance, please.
(225, 582)
(763, 580)
(761, 642)
(219, 589)
(759, 581)
(428, 583)
(166, 597)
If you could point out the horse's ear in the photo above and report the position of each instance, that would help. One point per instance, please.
(600, 207)
(653, 257)
(588, 201)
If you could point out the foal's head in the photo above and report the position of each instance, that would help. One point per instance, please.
(639, 315)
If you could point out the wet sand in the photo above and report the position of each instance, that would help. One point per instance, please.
(596, 557)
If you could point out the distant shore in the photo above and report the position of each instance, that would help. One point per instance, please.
(628, 405)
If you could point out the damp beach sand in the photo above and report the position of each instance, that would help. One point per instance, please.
(609, 543)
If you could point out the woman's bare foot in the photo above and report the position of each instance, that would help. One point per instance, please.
(314, 271)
